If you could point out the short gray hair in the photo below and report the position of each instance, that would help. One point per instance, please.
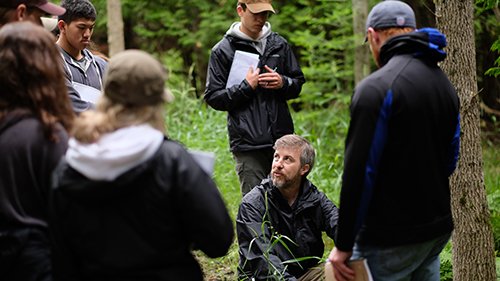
(307, 154)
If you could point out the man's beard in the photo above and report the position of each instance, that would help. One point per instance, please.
(283, 182)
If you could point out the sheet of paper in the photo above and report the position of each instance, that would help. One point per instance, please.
(87, 93)
(242, 61)
(206, 160)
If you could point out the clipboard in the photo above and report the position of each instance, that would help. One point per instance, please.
(360, 267)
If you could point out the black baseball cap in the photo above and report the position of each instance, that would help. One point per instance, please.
(390, 13)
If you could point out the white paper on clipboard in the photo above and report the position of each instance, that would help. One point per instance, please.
(242, 61)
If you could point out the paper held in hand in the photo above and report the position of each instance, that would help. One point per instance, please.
(87, 93)
(360, 267)
(242, 61)
(206, 160)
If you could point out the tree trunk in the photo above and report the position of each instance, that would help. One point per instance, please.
(116, 41)
(472, 240)
(361, 52)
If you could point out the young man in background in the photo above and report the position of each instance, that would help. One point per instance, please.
(84, 70)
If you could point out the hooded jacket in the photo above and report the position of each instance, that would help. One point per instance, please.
(92, 76)
(137, 224)
(401, 147)
(265, 215)
(256, 118)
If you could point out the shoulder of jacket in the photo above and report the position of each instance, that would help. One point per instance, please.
(277, 38)
(100, 61)
(224, 43)
(256, 194)
(374, 86)
(170, 146)
(64, 55)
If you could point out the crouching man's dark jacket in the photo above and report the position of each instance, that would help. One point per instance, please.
(265, 221)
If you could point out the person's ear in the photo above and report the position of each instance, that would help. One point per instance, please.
(304, 169)
(373, 35)
(240, 11)
(62, 26)
(21, 12)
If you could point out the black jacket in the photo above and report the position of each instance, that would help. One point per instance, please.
(260, 222)
(256, 118)
(27, 159)
(401, 147)
(141, 226)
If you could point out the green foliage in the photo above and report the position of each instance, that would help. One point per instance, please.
(486, 4)
(490, 25)
(491, 159)
(446, 268)
(317, 30)
(495, 71)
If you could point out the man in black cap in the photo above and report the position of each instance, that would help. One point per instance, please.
(401, 147)
(32, 10)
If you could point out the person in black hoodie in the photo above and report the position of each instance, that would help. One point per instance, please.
(34, 115)
(401, 148)
(128, 203)
(256, 103)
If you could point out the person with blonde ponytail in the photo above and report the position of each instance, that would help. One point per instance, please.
(127, 202)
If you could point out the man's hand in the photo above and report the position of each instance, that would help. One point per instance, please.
(271, 79)
(339, 261)
(252, 77)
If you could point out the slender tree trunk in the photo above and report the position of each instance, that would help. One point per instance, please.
(115, 27)
(472, 240)
(361, 52)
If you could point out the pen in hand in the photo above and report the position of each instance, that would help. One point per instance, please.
(272, 70)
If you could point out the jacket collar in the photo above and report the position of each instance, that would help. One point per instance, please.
(304, 200)
(425, 43)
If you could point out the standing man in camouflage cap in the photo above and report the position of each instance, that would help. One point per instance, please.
(256, 103)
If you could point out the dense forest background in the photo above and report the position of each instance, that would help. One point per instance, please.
(321, 32)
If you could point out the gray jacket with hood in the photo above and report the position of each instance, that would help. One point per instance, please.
(91, 76)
